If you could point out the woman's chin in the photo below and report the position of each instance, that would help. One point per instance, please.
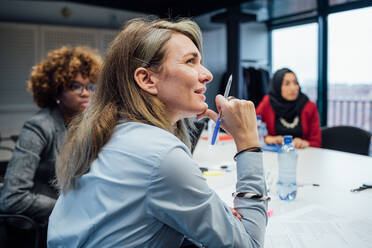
(202, 109)
(195, 112)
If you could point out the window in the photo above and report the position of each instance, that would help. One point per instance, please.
(350, 68)
(297, 49)
(336, 2)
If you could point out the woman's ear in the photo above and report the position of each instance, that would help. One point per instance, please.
(144, 81)
(58, 98)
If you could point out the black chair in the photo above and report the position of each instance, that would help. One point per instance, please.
(196, 132)
(346, 139)
(19, 231)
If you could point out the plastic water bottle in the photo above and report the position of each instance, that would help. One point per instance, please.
(287, 159)
(262, 131)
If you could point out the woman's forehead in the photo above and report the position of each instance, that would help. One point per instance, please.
(181, 45)
(289, 76)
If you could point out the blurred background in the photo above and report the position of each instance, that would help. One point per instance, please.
(327, 43)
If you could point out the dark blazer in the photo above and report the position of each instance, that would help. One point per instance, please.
(27, 183)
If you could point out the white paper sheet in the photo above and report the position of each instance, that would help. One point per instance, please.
(313, 226)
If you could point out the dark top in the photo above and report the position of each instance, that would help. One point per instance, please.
(294, 128)
(27, 184)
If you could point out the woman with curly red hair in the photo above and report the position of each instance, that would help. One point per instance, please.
(61, 86)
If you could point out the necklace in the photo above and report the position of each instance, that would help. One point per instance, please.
(290, 125)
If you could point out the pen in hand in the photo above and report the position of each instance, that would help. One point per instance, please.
(218, 123)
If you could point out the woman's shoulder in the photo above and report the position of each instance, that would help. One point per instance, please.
(44, 116)
(46, 120)
(309, 111)
(265, 101)
(264, 104)
(147, 139)
(143, 130)
(310, 106)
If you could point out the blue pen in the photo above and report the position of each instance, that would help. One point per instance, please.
(218, 123)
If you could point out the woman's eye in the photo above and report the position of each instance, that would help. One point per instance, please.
(190, 60)
(75, 86)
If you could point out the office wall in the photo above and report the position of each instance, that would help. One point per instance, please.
(254, 46)
(24, 45)
(50, 12)
(255, 43)
(215, 60)
(28, 29)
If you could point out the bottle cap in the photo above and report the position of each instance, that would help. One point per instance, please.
(287, 139)
(258, 117)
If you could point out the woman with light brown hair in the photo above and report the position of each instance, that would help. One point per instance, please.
(126, 175)
(61, 86)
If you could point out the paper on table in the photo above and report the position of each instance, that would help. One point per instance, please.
(362, 229)
(313, 226)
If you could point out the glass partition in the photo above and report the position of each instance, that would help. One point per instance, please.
(350, 68)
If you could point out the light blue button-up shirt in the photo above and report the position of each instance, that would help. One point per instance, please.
(145, 190)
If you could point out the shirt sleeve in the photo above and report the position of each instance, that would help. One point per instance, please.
(16, 195)
(180, 198)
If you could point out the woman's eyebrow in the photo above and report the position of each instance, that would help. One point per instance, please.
(194, 54)
(76, 82)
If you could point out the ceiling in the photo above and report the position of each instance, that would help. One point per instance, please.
(165, 8)
(271, 11)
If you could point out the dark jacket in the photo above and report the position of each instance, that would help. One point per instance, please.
(27, 183)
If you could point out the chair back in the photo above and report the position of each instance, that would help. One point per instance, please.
(19, 231)
(346, 139)
(196, 132)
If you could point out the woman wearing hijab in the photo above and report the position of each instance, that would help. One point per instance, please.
(287, 111)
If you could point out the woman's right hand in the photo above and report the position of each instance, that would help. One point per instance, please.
(274, 140)
(238, 118)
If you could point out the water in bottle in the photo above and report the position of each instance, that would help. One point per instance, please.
(262, 131)
(287, 160)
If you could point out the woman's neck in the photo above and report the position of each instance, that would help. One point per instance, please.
(67, 116)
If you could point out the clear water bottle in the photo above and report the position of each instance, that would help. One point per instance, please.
(262, 131)
(287, 159)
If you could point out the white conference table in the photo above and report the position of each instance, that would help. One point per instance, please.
(321, 216)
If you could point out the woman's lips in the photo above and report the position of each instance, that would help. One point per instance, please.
(84, 104)
(201, 90)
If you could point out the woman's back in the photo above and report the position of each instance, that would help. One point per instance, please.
(118, 182)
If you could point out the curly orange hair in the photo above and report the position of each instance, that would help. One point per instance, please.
(54, 74)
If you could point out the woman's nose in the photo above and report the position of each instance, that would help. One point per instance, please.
(293, 86)
(85, 92)
(205, 75)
